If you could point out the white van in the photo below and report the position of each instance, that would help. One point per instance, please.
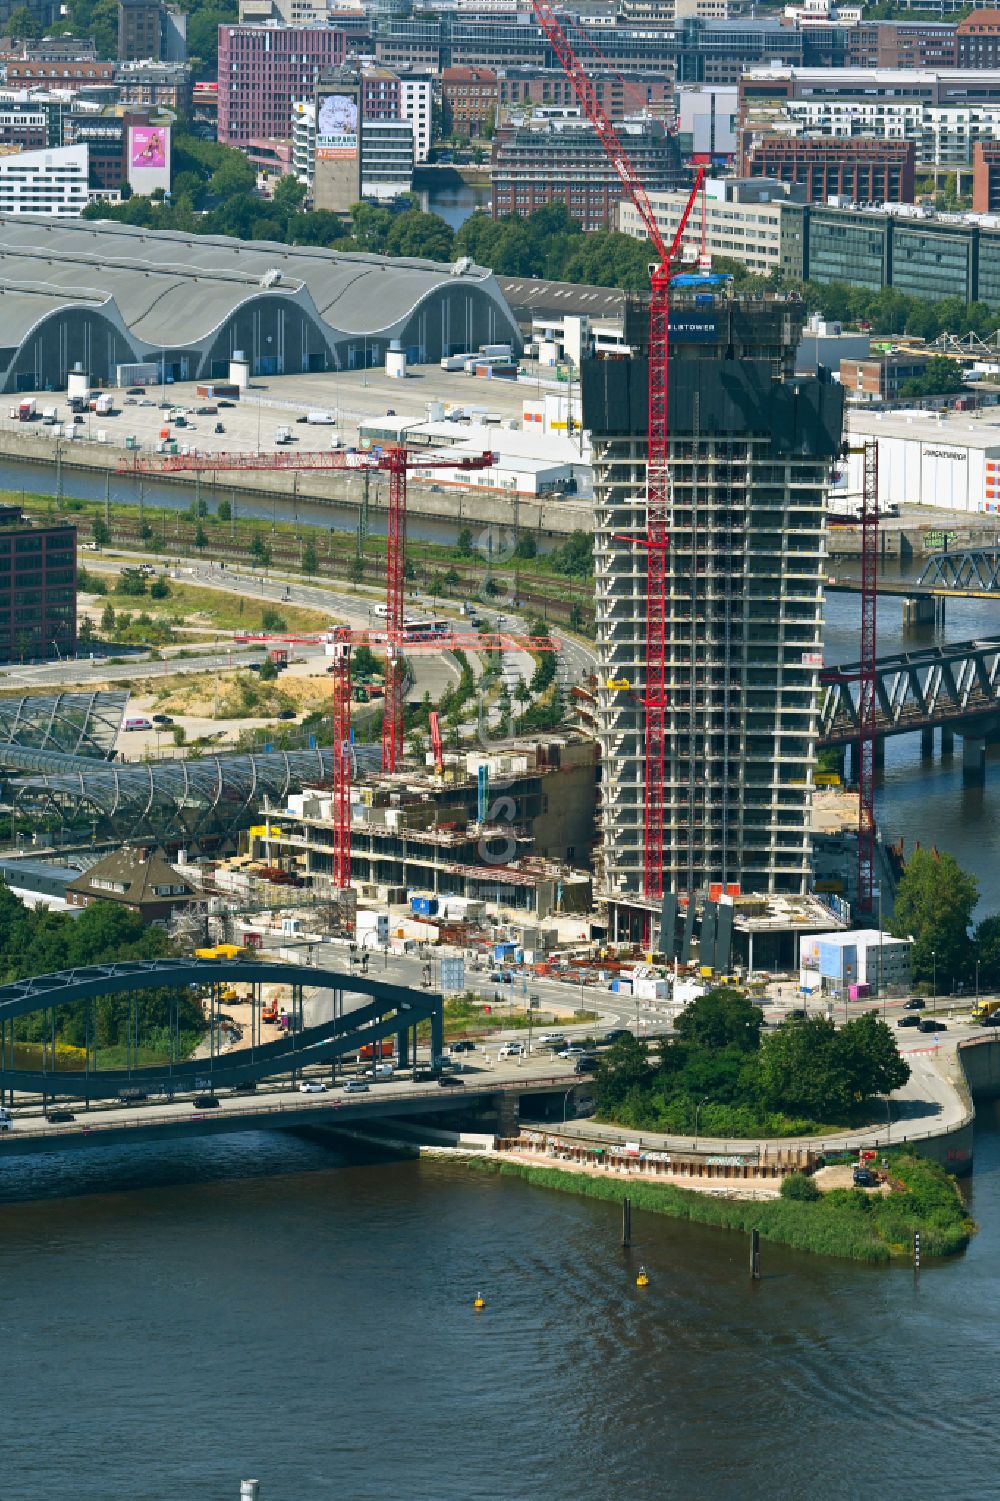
(381, 1071)
(138, 724)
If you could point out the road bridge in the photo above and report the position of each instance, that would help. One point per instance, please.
(966, 573)
(364, 1010)
(956, 687)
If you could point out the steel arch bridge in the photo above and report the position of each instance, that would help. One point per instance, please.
(380, 1010)
(976, 570)
(915, 691)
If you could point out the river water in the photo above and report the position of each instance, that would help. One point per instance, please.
(176, 1319)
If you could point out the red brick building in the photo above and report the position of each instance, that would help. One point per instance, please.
(979, 40)
(902, 44)
(862, 169)
(562, 160)
(262, 69)
(468, 101)
(986, 177)
(619, 96)
(75, 75)
(880, 377)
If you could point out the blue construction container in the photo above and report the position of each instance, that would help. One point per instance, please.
(424, 906)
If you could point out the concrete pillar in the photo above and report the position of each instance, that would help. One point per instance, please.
(947, 740)
(974, 760)
(927, 743)
(920, 610)
(402, 1048)
(508, 1114)
(879, 751)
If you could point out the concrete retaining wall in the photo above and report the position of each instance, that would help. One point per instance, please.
(455, 504)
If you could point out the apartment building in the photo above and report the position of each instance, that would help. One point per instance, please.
(986, 177)
(750, 452)
(860, 169)
(902, 44)
(560, 159)
(550, 88)
(416, 105)
(24, 126)
(263, 69)
(37, 588)
(468, 101)
(978, 40)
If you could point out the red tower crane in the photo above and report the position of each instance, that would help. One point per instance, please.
(398, 461)
(655, 541)
(867, 675)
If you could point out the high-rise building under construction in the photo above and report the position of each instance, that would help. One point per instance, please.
(751, 447)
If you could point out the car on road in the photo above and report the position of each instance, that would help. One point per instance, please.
(206, 1102)
(928, 1024)
(356, 1086)
(795, 1015)
(464, 1045)
(55, 1117)
(135, 390)
(245, 1086)
(914, 1004)
(571, 1051)
(512, 1050)
(162, 719)
(585, 1064)
(993, 1020)
(501, 977)
(908, 1021)
(554, 1039)
(312, 1086)
(286, 713)
(220, 427)
(448, 1081)
(614, 1034)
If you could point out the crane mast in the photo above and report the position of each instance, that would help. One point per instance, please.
(656, 540)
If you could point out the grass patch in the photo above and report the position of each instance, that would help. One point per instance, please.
(847, 1223)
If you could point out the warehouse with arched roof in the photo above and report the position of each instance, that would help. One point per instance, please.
(100, 293)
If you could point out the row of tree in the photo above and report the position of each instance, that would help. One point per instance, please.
(721, 1067)
(934, 904)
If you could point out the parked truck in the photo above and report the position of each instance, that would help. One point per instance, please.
(26, 409)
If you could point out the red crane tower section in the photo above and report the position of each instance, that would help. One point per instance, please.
(867, 676)
(657, 481)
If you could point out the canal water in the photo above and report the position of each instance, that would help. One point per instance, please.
(176, 1319)
(454, 202)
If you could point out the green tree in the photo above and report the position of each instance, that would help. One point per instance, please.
(259, 551)
(108, 618)
(224, 511)
(622, 1071)
(371, 226)
(310, 557)
(934, 905)
(200, 537)
(721, 1019)
(268, 671)
(526, 547)
(130, 582)
(420, 235)
(364, 663)
(85, 636)
(802, 1072)
(465, 542)
(868, 1049)
(986, 949)
(273, 620)
(356, 570)
(101, 532)
(23, 25)
(159, 588)
(939, 377)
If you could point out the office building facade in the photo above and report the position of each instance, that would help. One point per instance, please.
(860, 169)
(263, 69)
(37, 589)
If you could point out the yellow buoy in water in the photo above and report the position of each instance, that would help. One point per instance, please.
(642, 1280)
(480, 1301)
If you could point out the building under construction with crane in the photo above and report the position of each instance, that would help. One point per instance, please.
(712, 463)
(750, 453)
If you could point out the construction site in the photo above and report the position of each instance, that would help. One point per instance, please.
(669, 812)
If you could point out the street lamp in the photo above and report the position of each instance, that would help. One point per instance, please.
(934, 993)
(697, 1109)
(977, 982)
(566, 1100)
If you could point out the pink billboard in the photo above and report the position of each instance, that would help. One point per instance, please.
(149, 146)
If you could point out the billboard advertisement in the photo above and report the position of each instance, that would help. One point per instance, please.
(337, 128)
(148, 158)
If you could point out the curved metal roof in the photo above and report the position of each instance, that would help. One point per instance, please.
(174, 289)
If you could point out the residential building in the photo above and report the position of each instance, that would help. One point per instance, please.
(416, 104)
(154, 86)
(742, 221)
(978, 38)
(142, 880)
(942, 112)
(59, 49)
(205, 105)
(37, 589)
(986, 177)
(860, 169)
(138, 30)
(560, 159)
(880, 377)
(549, 88)
(263, 69)
(902, 44)
(24, 126)
(468, 101)
(745, 570)
(73, 75)
(45, 182)
(386, 159)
